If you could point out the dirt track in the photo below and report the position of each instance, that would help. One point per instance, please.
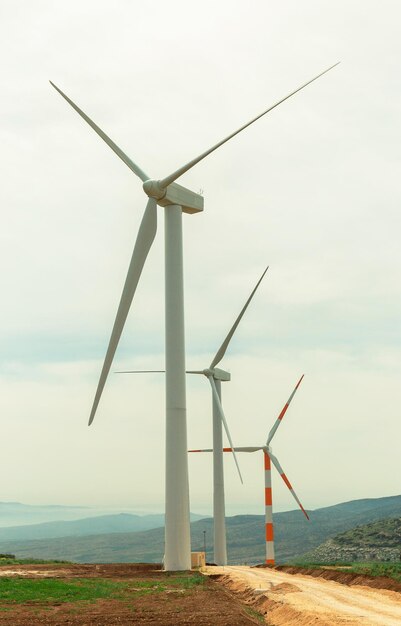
(301, 600)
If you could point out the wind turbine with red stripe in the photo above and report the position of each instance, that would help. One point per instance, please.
(269, 458)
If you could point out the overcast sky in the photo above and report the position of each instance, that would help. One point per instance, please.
(312, 190)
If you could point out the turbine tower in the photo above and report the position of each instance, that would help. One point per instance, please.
(175, 199)
(216, 376)
(268, 458)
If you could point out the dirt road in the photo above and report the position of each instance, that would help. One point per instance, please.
(288, 599)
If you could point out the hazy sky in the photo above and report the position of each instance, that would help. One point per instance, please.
(312, 190)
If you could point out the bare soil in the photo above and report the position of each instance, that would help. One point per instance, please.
(208, 604)
(296, 599)
(114, 571)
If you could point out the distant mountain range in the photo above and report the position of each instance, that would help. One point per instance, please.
(377, 541)
(294, 535)
(116, 523)
(16, 513)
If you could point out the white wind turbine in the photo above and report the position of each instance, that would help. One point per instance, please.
(175, 199)
(216, 376)
(269, 458)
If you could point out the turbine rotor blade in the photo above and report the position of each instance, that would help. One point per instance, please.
(143, 243)
(246, 449)
(283, 412)
(141, 372)
(133, 166)
(287, 482)
(222, 350)
(156, 372)
(223, 419)
(172, 177)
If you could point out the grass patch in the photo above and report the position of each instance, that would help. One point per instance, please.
(50, 590)
(44, 591)
(391, 570)
(187, 582)
(255, 614)
(168, 583)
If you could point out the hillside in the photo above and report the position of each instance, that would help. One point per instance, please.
(295, 535)
(296, 538)
(245, 536)
(378, 541)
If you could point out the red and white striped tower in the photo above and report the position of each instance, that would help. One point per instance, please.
(268, 511)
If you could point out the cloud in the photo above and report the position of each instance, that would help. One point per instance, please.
(312, 190)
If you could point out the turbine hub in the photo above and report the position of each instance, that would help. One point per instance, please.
(217, 374)
(153, 189)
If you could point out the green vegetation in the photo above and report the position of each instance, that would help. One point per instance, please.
(50, 590)
(385, 533)
(391, 570)
(169, 582)
(377, 541)
(187, 582)
(255, 614)
(21, 590)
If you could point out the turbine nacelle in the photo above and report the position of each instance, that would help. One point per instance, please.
(174, 193)
(217, 374)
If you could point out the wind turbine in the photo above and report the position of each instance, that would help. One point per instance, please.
(216, 376)
(175, 199)
(269, 458)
